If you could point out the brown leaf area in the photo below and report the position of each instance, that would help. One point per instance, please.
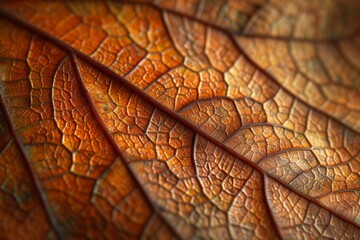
(180, 119)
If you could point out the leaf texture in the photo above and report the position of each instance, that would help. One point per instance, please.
(179, 120)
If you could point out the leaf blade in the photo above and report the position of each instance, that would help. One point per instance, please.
(271, 130)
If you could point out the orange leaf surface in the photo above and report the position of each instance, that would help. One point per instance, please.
(180, 119)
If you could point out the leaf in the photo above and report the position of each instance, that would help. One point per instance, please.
(179, 119)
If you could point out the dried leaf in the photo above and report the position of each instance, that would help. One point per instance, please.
(180, 119)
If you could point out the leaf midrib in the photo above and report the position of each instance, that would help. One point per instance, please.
(72, 51)
(119, 152)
